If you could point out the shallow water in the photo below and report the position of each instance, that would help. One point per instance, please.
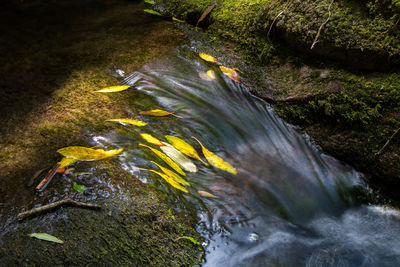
(289, 204)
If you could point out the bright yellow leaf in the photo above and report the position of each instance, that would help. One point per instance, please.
(130, 121)
(167, 160)
(157, 113)
(215, 160)
(87, 154)
(184, 147)
(151, 139)
(233, 74)
(172, 174)
(65, 162)
(211, 74)
(171, 181)
(208, 58)
(179, 158)
(113, 89)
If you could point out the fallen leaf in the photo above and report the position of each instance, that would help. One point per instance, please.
(167, 160)
(151, 139)
(211, 74)
(194, 241)
(113, 89)
(129, 121)
(171, 181)
(65, 162)
(152, 12)
(37, 173)
(149, 2)
(205, 13)
(172, 174)
(233, 74)
(157, 113)
(47, 237)
(179, 157)
(206, 194)
(178, 20)
(68, 171)
(215, 160)
(208, 58)
(184, 147)
(78, 187)
(109, 213)
(87, 154)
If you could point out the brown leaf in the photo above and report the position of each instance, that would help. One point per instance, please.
(205, 13)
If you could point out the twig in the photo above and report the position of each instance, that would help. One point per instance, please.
(280, 13)
(387, 142)
(65, 201)
(322, 25)
(46, 180)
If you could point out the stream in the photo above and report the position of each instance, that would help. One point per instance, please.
(289, 205)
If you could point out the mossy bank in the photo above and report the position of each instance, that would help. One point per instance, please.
(344, 92)
(54, 55)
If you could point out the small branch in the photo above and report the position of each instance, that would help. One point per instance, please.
(51, 206)
(387, 142)
(279, 14)
(322, 25)
(46, 180)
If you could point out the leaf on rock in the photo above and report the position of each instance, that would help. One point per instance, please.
(215, 160)
(156, 112)
(152, 12)
(78, 187)
(206, 194)
(65, 162)
(205, 13)
(179, 158)
(167, 160)
(149, 2)
(208, 58)
(113, 89)
(151, 139)
(172, 174)
(171, 181)
(184, 147)
(47, 237)
(87, 154)
(177, 20)
(130, 121)
(194, 241)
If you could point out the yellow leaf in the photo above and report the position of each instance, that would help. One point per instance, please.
(171, 181)
(184, 147)
(178, 20)
(87, 154)
(208, 58)
(66, 162)
(179, 158)
(206, 194)
(151, 139)
(215, 160)
(113, 89)
(233, 74)
(172, 174)
(167, 160)
(157, 113)
(211, 74)
(130, 121)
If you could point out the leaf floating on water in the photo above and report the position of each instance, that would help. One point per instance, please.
(152, 12)
(206, 194)
(215, 160)
(78, 187)
(47, 237)
(194, 241)
(233, 74)
(113, 89)
(149, 2)
(178, 20)
(211, 74)
(130, 121)
(205, 13)
(87, 154)
(179, 158)
(151, 139)
(171, 181)
(167, 160)
(157, 113)
(172, 174)
(208, 58)
(184, 147)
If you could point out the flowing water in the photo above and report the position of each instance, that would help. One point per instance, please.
(289, 204)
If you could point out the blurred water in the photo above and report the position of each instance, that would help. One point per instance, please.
(289, 204)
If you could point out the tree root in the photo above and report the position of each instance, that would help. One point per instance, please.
(387, 143)
(65, 201)
(322, 25)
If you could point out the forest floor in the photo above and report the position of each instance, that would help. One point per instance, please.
(54, 55)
